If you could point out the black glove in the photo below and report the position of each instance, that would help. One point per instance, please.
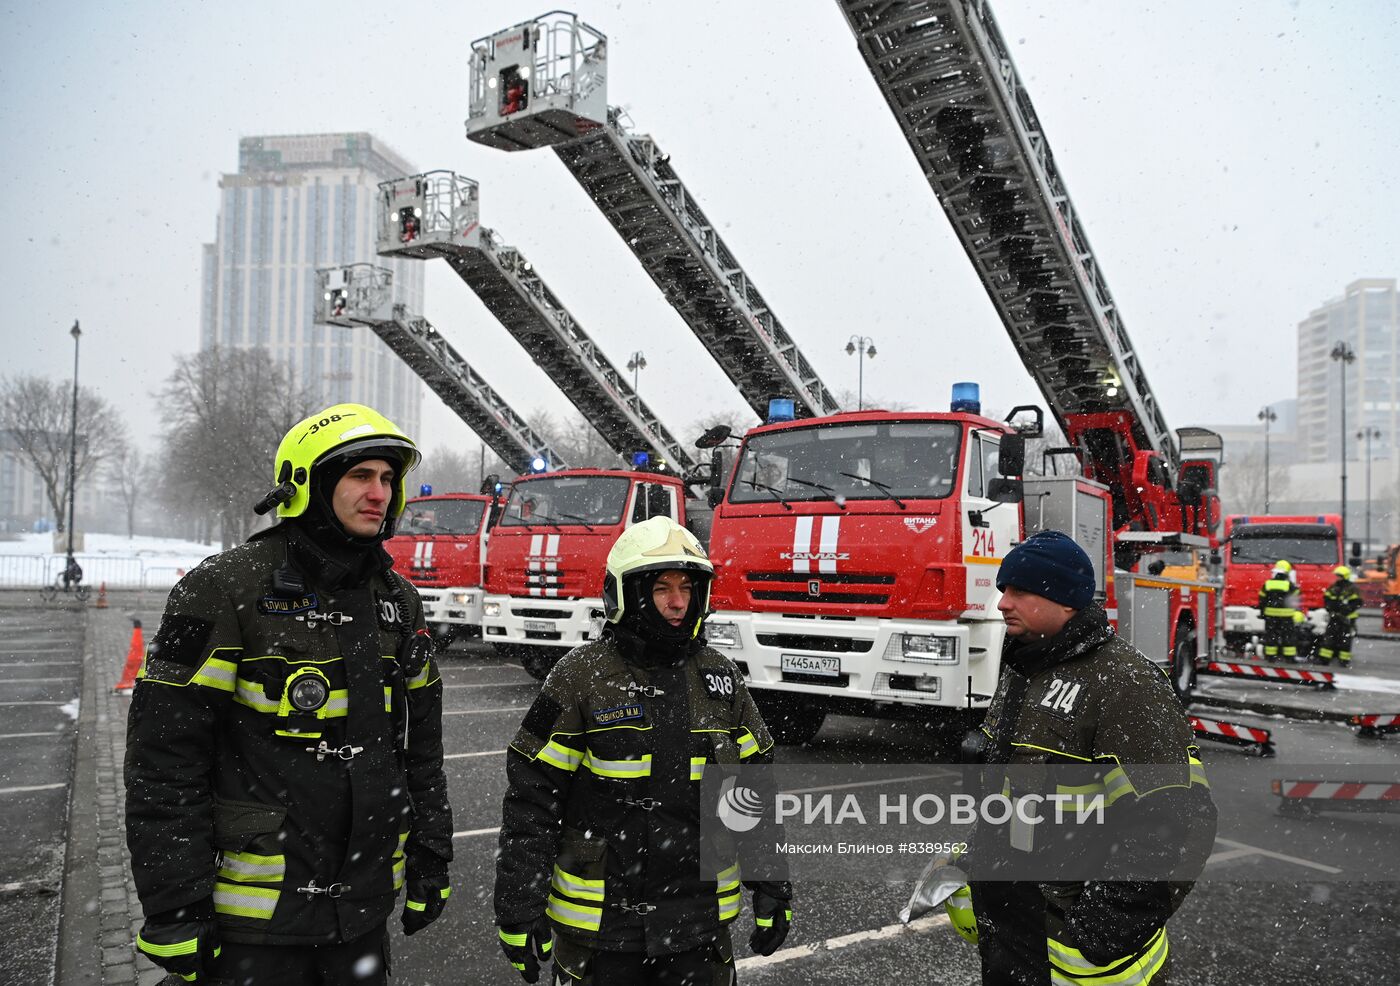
(427, 896)
(772, 916)
(527, 945)
(187, 948)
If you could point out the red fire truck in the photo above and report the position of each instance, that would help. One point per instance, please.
(1254, 544)
(440, 546)
(545, 562)
(856, 557)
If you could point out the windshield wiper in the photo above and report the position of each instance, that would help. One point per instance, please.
(542, 518)
(576, 517)
(879, 486)
(771, 489)
(818, 486)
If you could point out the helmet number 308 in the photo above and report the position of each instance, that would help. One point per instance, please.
(323, 423)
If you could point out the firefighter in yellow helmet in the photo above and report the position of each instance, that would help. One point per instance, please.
(599, 862)
(1343, 602)
(284, 756)
(1278, 606)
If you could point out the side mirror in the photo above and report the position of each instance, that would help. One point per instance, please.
(488, 485)
(715, 493)
(1004, 490)
(714, 436)
(1011, 457)
(1215, 558)
(1355, 560)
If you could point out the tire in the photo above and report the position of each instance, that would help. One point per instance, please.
(1184, 662)
(791, 722)
(443, 636)
(538, 661)
(82, 592)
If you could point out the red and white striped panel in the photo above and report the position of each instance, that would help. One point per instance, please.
(1340, 791)
(1230, 730)
(1271, 673)
(1376, 721)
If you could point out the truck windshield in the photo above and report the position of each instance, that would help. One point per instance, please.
(444, 516)
(566, 501)
(1309, 546)
(909, 459)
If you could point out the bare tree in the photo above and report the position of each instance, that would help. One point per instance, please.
(227, 411)
(128, 472)
(1242, 483)
(38, 412)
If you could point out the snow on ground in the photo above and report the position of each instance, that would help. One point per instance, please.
(118, 560)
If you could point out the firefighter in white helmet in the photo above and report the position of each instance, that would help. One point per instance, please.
(599, 862)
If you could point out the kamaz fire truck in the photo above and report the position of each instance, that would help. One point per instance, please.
(545, 564)
(1254, 544)
(440, 546)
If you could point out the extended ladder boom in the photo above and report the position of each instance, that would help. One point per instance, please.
(947, 75)
(359, 295)
(436, 215)
(543, 83)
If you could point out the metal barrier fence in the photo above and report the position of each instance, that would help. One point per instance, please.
(117, 571)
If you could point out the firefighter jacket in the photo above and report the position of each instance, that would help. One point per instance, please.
(601, 819)
(1342, 600)
(1276, 598)
(284, 756)
(1086, 698)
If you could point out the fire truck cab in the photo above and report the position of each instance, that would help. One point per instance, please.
(544, 566)
(1254, 544)
(440, 546)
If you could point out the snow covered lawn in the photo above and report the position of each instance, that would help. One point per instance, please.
(112, 558)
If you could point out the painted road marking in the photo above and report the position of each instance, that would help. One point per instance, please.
(35, 681)
(1278, 855)
(468, 833)
(32, 787)
(476, 667)
(47, 664)
(36, 703)
(5, 736)
(892, 780)
(460, 712)
(484, 684)
(445, 756)
(923, 925)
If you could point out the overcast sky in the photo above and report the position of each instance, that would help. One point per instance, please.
(1234, 165)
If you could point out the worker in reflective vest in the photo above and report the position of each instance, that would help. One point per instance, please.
(1343, 602)
(1279, 609)
(599, 866)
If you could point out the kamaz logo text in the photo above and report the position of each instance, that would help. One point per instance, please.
(815, 555)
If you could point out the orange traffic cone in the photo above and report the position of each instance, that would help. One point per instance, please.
(101, 596)
(135, 655)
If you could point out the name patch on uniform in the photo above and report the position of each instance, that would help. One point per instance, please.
(286, 605)
(620, 713)
(718, 684)
(388, 610)
(1060, 697)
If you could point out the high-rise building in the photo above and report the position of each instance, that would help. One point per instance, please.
(298, 203)
(1367, 319)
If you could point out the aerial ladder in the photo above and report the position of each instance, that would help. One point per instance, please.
(947, 75)
(544, 83)
(436, 214)
(360, 295)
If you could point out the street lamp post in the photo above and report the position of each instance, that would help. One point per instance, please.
(1368, 434)
(1343, 354)
(70, 566)
(636, 364)
(860, 346)
(1266, 415)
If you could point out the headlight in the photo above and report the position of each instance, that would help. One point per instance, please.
(722, 634)
(935, 650)
(491, 609)
(463, 598)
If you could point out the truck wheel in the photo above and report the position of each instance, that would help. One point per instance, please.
(1184, 662)
(791, 723)
(443, 635)
(538, 661)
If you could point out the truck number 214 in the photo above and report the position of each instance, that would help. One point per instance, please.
(984, 542)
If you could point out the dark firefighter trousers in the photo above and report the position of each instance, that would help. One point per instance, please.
(362, 962)
(1336, 642)
(1280, 637)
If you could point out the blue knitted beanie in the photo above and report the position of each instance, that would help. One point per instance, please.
(1050, 564)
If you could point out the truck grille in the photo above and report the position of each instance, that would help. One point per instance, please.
(539, 613)
(834, 587)
(807, 641)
